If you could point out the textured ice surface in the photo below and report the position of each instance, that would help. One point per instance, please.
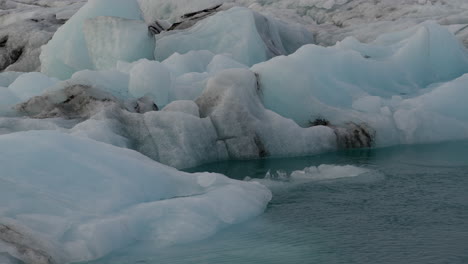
(83, 199)
(28, 25)
(110, 39)
(401, 63)
(226, 121)
(280, 180)
(367, 83)
(248, 36)
(345, 96)
(91, 41)
(67, 52)
(232, 101)
(221, 90)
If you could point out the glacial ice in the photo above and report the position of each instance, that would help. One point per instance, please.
(281, 180)
(349, 95)
(28, 26)
(396, 64)
(96, 39)
(247, 36)
(113, 39)
(67, 52)
(238, 84)
(83, 199)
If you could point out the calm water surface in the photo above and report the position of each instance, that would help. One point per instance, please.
(415, 210)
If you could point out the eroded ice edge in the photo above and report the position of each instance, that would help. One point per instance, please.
(84, 140)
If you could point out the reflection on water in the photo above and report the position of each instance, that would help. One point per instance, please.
(416, 213)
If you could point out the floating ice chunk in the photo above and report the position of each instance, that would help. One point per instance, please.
(231, 31)
(328, 172)
(67, 52)
(437, 115)
(180, 140)
(231, 100)
(151, 78)
(319, 80)
(280, 180)
(430, 53)
(249, 37)
(31, 84)
(175, 138)
(110, 39)
(84, 199)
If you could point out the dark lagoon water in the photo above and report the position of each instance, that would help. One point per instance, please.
(412, 208)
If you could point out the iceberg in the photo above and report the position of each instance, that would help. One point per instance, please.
(397, 64)
(118, 102)
(113, 39)
(351, 95)
(84, 199)
(247, 36)
(281, 180)
(67, 52)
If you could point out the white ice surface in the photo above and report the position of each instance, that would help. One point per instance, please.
(247, 36)
(31, 84)
(78, 199)
(30, 25)
(113, 39)
(385, 85)
(374, 83)
(281, 180)
(67, 52)
(83, 199)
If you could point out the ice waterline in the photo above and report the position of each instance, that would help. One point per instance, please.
(87, 137)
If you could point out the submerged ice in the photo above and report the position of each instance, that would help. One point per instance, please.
(115, 98)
